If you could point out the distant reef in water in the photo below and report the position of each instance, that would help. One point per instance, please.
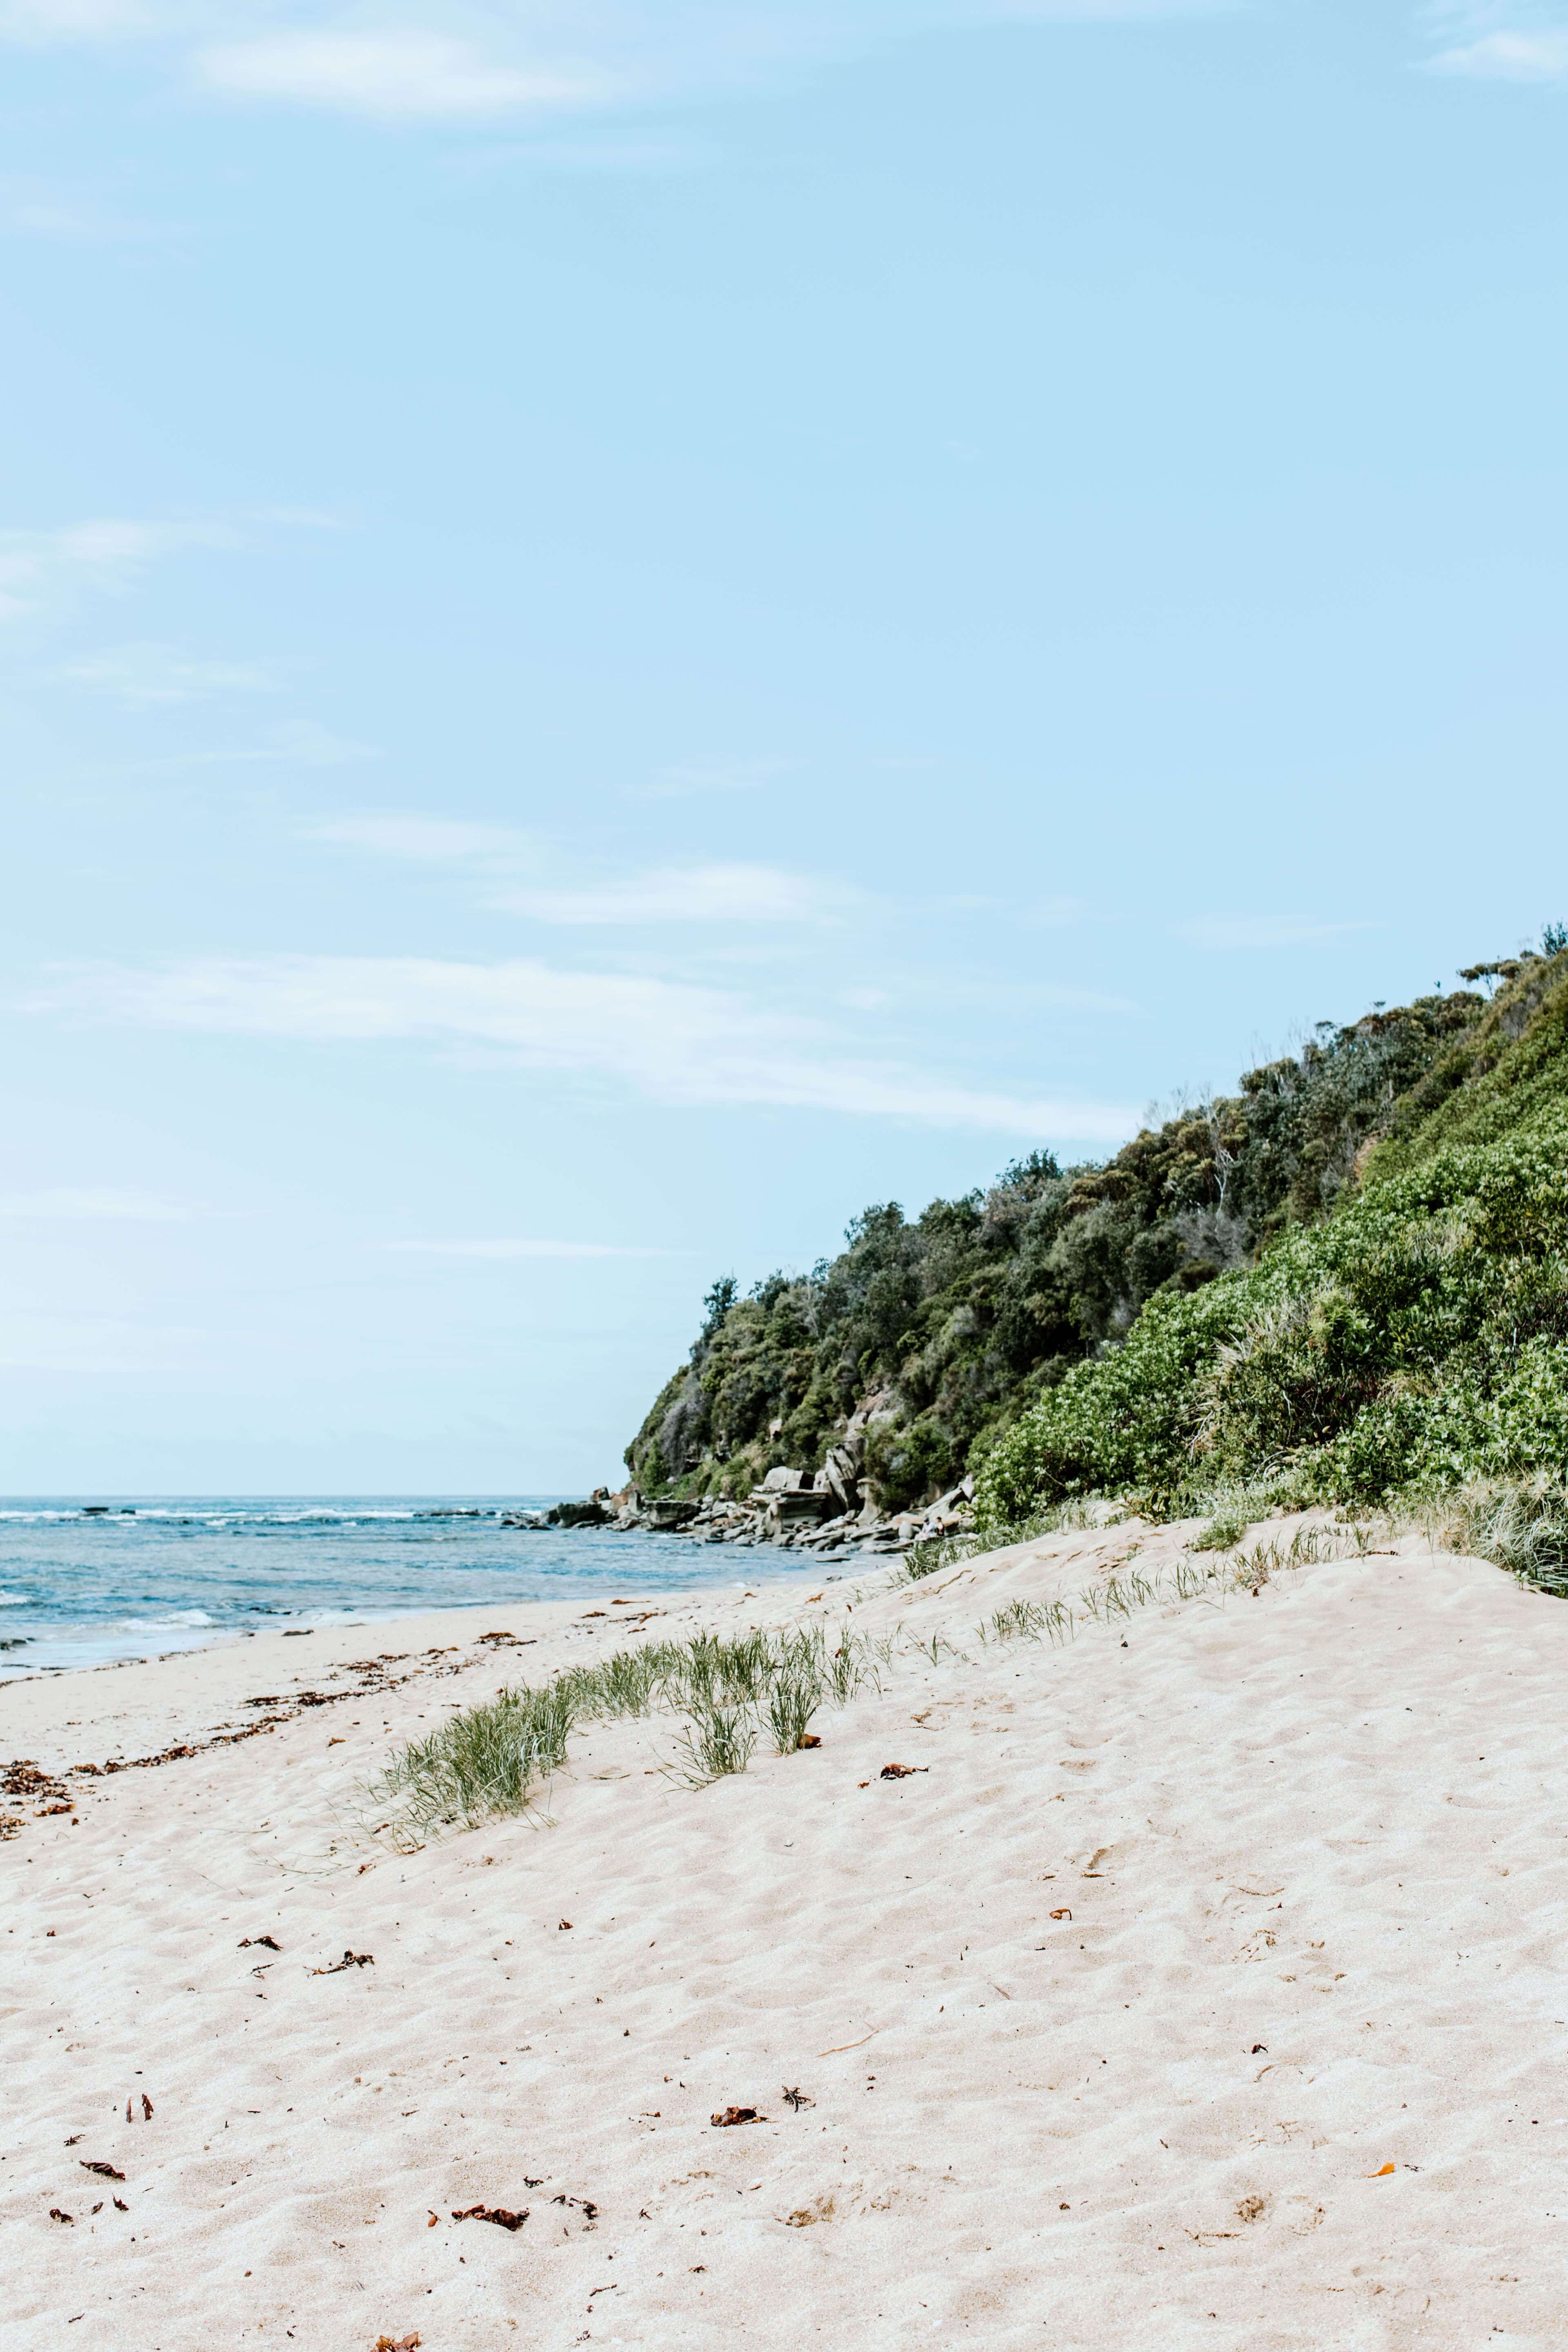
(1236, 1295)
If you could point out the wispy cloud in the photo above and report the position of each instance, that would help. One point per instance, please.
(663, 1040)
(1517, 56)
(503, 1250)
(478, 60)
(1254, 932)
(161, 674)
(400, 74)
(39, 567)
(95, 1203)
(434, 840)
(711, 892)
(41, 21)
(296, 743)
(69, 218)
(691, 894)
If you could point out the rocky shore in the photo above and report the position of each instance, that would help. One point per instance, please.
(823, 1512)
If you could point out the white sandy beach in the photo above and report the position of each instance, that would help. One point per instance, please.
(1206, 1986)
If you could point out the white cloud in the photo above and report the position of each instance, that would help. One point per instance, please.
(503, 1250)
(397, 74)
(93, 1203)
(1509, 57)
(1254, 932)
(68, 219)
(690, 894)
(149, 673)
(434, 839)
(40, 21)
(735, 893)
(38, 566)
(297, 742)
(455, 61)
(666, 1041)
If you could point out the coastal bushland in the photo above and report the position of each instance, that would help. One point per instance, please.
(1341, 1277)
(1414, 1341)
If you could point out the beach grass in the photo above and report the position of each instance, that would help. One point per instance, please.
(495, 1759)
(488, 1760)
(1519, 1524)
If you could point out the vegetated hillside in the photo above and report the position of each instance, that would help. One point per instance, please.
(1414, 1341)
(966, 1321)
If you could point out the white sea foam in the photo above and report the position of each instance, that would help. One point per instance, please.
(182, 1618)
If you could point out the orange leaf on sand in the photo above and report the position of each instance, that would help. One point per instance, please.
(1063, 1914)
(1378, 2175)
(396, 2343)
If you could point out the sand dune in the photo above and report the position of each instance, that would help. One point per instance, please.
(1202, 1984)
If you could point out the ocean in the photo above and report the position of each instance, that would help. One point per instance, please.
(84, 1582)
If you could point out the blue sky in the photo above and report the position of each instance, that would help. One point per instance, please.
(628, 628)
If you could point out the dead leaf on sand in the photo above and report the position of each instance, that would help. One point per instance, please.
(584, 2205)
(1063, 1914)
(271, 1943)
(121, 2206)
(728, 2116)
(1380, 2174)
(797, 2099)
(349, 1960)
(500, 2214)
(398, 2343)
(107, 2171)
(56, 2215)
(901, 1771)
(808, 1740)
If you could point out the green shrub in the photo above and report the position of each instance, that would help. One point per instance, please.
(1419, 1337)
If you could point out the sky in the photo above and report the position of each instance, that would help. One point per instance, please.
(629, 628)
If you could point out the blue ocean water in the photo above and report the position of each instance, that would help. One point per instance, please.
(82, 1583)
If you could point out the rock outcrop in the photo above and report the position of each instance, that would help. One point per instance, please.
(795, 1511)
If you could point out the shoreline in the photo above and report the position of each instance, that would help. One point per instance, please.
(1194, 1981)
(175, 1680)
(171, 1591)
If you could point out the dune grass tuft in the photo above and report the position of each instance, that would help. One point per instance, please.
(492, 1760)
(1523, 1525)
(488, 1760)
